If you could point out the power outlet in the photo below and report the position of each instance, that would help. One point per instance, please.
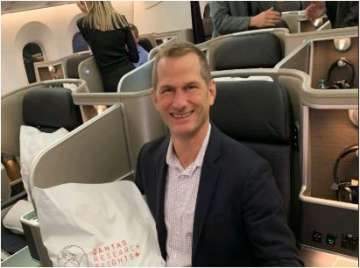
(317, 236)
(331, 239)
(349, 241)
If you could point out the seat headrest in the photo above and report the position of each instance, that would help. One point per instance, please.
(72, 65)
(49, 109)
(146, 44)
(261, 50)
(252, 111)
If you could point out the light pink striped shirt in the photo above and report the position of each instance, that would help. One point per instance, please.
(180, 198)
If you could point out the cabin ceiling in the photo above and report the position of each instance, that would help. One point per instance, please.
(18, 6)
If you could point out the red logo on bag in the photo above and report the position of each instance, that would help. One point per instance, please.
(115, 254)
(72, 256)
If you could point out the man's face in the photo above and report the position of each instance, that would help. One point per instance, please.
(182, 96)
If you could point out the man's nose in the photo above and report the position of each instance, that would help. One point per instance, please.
(179, 100)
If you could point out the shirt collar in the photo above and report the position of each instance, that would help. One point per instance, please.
(173, 161)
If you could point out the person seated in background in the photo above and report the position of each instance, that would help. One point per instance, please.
(143, 54)
(110, 39)
(340, 13)
(209, 209)
(236, 16)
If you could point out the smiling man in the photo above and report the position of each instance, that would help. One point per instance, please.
(214, 201)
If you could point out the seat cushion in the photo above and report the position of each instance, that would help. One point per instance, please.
(261, 50)
(49, 109)
(252, 111)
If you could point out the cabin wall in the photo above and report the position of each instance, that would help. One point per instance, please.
(162, 16)
(52, 28)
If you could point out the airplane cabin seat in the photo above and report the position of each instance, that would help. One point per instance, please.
(89, 72)
(72, 64)
(146, 44)
(240, 51)
(257, 113)
(47, 109)
(50, 109)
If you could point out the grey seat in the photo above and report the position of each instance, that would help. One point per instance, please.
(72, 64)
(258, 114)
(253, 50)
(48, 109)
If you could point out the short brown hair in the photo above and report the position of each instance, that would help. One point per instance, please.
(179, 49)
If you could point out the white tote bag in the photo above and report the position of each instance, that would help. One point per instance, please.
(105, 224)
(32, 141)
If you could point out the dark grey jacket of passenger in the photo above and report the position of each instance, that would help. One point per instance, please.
(239, 218)
(234, 16)
(229, 16)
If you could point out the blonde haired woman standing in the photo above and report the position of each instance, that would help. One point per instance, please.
(111, 41)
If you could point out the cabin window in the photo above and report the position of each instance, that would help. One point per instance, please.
(79, 43)
(31, 53)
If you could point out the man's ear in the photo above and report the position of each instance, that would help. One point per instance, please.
(212, 92)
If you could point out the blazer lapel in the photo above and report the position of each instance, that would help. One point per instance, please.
(160, 178)
(208, 179)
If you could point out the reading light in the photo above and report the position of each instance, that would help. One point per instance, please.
(51, 69)
(100, 108)
(342, 44)
(318, 22)
(354, 116)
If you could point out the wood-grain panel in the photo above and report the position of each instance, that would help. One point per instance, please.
(330, 132)
(325, 54)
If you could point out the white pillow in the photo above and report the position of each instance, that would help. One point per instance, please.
(32, 141)
(12, 219)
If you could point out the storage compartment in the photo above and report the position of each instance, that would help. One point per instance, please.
(50, 72)
(327, 222)
(31, 228)
(330, 228)
(318, 54)
(324, 55)
(330, 132)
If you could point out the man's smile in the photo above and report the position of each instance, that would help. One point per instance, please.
(181, 115)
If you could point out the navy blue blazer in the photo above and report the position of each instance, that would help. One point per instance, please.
(239, 217)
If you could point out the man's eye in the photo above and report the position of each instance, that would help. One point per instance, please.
(191, 87)
(166, 90)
